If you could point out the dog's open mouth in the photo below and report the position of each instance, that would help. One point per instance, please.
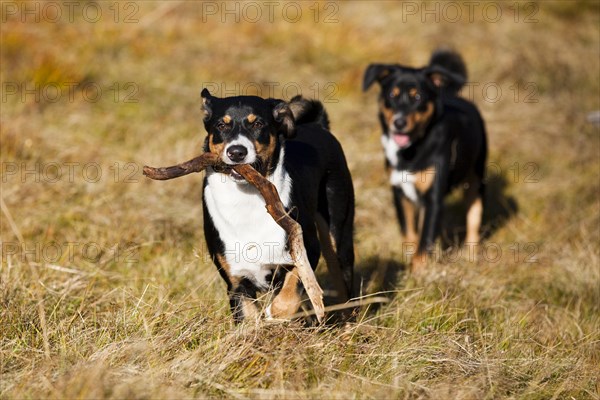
(228, 170)
(401, 139)
(236, 176)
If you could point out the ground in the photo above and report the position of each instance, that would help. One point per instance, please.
(105, 283)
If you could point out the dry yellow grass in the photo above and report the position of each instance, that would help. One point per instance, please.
(105, 287)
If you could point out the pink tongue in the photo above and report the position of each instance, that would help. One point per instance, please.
(401, 140)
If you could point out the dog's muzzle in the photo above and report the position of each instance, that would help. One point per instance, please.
(237, 153)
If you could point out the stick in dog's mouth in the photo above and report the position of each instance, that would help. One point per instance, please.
(274, 207)
(197, 164)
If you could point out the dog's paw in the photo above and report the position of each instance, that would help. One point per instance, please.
(418, 264)
(472, 251)
(268, 314)
(270, 319)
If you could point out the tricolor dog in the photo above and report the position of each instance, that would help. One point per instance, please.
(290, 144)
(433, 141)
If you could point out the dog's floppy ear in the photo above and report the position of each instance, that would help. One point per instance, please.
(282, 114)
(206, 103)
(376, 72)
(442, 78)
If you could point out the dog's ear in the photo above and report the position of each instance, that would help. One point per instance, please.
(284, 118)
(376, 72)
(441, 78)
(206, 103)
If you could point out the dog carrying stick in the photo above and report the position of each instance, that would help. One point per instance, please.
(274, 208)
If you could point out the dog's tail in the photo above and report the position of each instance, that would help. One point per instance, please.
(309, 112)
(454, 64)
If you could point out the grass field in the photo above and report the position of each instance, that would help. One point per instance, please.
(106, 289)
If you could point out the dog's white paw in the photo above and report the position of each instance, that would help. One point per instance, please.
(268, 315)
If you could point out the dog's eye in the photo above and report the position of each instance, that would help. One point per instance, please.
(221, 126)
(414, 94)
(258, 125)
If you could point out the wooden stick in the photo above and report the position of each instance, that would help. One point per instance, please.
(196, 164)
(274, 207)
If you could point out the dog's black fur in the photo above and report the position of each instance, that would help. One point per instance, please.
(321, 190)
(434, 138)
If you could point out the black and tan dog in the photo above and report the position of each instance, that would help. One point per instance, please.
(290, 144)
(433, 141)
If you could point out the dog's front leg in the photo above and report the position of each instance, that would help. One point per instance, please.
(242, 300)
(406, 211)
(288, 300)
(433, 205)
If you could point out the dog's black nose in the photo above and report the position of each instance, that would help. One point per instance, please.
(237, 153)
(399, 123)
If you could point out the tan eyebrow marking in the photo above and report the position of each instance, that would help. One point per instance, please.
(251, 118)
(413, 92)
(227, 119)
(396, 91)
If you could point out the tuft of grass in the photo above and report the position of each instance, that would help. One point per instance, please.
(106, 290)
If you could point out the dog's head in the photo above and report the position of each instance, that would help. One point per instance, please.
(408, 98)
(246, 130)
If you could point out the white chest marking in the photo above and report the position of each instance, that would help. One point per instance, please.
(402, 179)
(254, 243)
(406, 181)
(391, 148)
